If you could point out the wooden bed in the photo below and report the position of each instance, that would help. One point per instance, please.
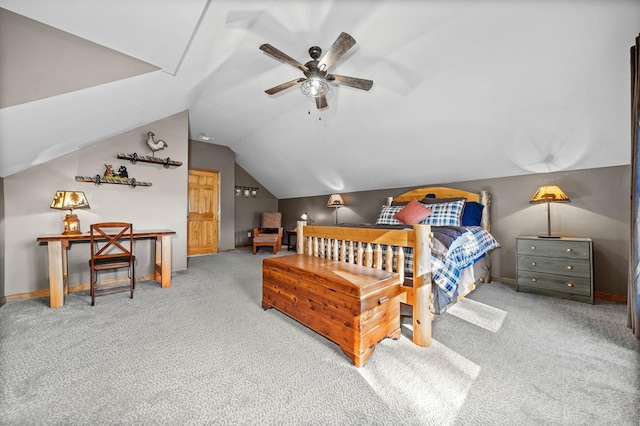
(325, 241)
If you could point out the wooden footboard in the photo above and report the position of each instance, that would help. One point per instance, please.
(363, 246)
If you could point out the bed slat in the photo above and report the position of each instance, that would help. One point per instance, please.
(362, 246)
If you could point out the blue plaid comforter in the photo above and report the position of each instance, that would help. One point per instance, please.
(463, 252)
(455, 248)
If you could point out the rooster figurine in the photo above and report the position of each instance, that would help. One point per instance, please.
(155, 146)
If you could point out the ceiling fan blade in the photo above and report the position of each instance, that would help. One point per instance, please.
(283, 86)
(358, 83)
(321, 102)
(339, 47)
(269, 49)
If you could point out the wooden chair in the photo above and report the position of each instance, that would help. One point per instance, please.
(270, 232)
(111, 248)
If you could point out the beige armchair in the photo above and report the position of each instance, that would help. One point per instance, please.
(270, 232)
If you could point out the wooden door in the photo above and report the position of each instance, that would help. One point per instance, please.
(202, 223)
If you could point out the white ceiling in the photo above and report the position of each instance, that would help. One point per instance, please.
(462, 90)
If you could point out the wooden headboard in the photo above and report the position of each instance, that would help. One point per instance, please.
(482, 197)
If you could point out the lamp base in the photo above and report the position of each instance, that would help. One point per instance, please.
(71, 225)
(549, 236)
(336, 208)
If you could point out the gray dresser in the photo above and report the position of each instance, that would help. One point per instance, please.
(557, 267)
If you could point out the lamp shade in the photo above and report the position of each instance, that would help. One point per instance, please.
(69, 200)
(305, 216)
(549, 194)
(335, 200)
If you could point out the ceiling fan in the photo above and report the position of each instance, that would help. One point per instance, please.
(314, 85)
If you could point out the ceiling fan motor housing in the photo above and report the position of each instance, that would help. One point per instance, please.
(315, 52)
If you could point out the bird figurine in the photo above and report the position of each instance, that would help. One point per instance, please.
(155, 146)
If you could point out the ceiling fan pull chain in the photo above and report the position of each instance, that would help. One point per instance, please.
(319, 116)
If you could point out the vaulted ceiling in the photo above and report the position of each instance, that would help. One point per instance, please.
(463, 89)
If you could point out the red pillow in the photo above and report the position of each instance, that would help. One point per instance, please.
(412, 213)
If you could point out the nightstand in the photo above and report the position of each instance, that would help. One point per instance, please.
(557, 267)
(291, 232)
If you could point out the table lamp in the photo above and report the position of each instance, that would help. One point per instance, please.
(306, 218)
(69, 200)
(335, 201)
(549, 194)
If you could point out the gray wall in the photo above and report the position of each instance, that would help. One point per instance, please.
(46, 61)
(207, 156)
(599, 209)
(238, 215)
(28, 194)
(249, 210)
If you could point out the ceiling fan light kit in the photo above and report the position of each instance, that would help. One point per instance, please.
(315, 85)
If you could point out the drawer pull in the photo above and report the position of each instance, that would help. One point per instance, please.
(569, 284)
(385, 299)
(569, 267)
(535, 280)
(569, 250)
(533, 263)
(533, 247)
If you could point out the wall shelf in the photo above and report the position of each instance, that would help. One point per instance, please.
(134, 158)
(99, 180)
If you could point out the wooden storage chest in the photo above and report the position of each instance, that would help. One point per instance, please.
(351, 305)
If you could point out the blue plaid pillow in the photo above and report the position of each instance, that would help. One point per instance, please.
(387, 216)
(445, 214)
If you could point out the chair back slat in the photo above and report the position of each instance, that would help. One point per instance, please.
(111, 239)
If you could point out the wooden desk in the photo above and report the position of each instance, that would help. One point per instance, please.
(58, 270)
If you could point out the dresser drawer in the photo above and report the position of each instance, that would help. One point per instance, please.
(555, 248)
(555, 265)
(574, 285)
